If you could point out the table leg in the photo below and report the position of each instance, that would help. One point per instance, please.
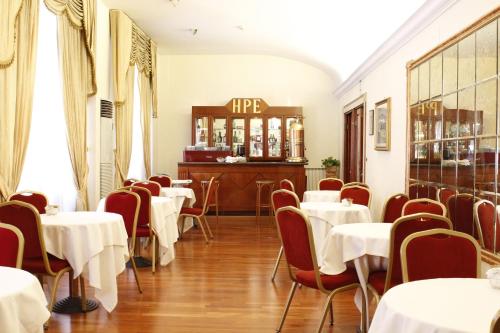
(73, 303)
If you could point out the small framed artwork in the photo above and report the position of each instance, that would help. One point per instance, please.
(258, 138)
(370, 122)
(382, 124)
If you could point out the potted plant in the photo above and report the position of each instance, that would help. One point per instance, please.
(331, 166)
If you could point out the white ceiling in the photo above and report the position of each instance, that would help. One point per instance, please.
(334, 35)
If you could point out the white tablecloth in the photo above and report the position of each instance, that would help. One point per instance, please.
(164, 222)
(322, 196)
(324, 215)
(181, 182)
(438, 306)
(23, 306)
(179, 194)
(94, 244)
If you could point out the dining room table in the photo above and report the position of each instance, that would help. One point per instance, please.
(182, 196)
(23, 305)
(95, 245)
(453, 305)
(181, 182)
(321, 196)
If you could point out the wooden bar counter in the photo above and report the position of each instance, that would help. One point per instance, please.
(237, 191)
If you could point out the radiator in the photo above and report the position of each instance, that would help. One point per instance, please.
(313, 176)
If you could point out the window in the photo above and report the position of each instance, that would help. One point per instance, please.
(137, 169)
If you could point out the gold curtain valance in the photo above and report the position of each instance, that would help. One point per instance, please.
(9, 11)
(81, 14)
(141, 51)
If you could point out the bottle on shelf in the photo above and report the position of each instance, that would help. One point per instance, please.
(219, 138)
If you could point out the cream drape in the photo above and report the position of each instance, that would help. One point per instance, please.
(154, 81)
(131, 46)
(123, 120)
(9, 11)
(76, 29)
(146, 100)
(16, 90)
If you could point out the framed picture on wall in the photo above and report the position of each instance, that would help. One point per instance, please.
(370, 122)
(382, 122)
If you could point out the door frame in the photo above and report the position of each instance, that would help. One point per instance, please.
(351, 106)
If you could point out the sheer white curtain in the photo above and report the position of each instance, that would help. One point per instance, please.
(47, 167)
(137, 169)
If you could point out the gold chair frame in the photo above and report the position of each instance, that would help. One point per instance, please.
(477, 223)
(357, 184)
(289, 182)
(28, 192)
(20, 242)
(430, 201)
(330, 293)
(438, 231)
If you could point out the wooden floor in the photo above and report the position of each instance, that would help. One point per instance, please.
(221, 287)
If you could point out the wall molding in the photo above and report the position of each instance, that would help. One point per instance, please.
(425, 15)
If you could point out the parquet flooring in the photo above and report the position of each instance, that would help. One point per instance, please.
(221, 287)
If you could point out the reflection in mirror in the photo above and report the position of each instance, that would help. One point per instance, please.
(414, 86)
(435, 162)
(423, 81)
(413, 162)
(466, 62)
(436, 75)
(486, 108)
(465, 163)
(486, 48)
(466, 113)
(435, 119)
(450, 58)
(450, 116)
(485, 164)
(423, 161)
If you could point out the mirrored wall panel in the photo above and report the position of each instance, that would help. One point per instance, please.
(453, 132)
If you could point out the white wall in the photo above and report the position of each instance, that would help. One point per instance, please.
(386, 171)
(187, 80)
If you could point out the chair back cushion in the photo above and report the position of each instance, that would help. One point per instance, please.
(444, 194)
(164, 181)
(330, 184)
(153, 187)
(360, 195)
(11, 246)
(484, 212)
(127, 204)
(415, 206)
(402, 228)
(461, 212)
(296, 238)
(421, 191)
(286, 184)
(394, 208)
(25, 218)
(283, 198)
(38, 200)
(440, 253)
(129, 182)
(145, 206)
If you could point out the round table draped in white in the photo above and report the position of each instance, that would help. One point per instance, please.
(23, 306)
(179, 195)
(94, 244)
(324, 215)
(322, 196)
(164, 222)
(438, 306)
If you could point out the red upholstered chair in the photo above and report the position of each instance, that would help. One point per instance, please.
(11, 246)
(199, 213)
(36, 260)
(144, 228)
(130, 181)
(286, 184)
(444, 194)
(298, 244)
(153, 187)
(380, 282)
(424, 205)
(357, 184)
(360, 195)
(279, 199)
(163, 180)
(126, 204)
(495, 323)
(393, 207)
(37, 199)
(440, 253)
(330, 184)
(484, 219)
(461, 213)
(419, 191)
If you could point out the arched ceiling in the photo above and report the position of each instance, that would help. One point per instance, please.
(334, 35)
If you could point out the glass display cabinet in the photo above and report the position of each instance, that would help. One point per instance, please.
(202, 134)
(453, 105)
(256, 138)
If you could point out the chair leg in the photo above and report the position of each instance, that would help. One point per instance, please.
(154, 254)
(83, 294)
(325, 309)
(275, 270)
(257, 206)
(331, 313)
(181, 230)
(136, 274)
(287, 306)
(202, 228)
(53, 292)
(208, 227)
(364, 314)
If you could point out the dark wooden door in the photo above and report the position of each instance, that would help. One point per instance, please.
(353, 145)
